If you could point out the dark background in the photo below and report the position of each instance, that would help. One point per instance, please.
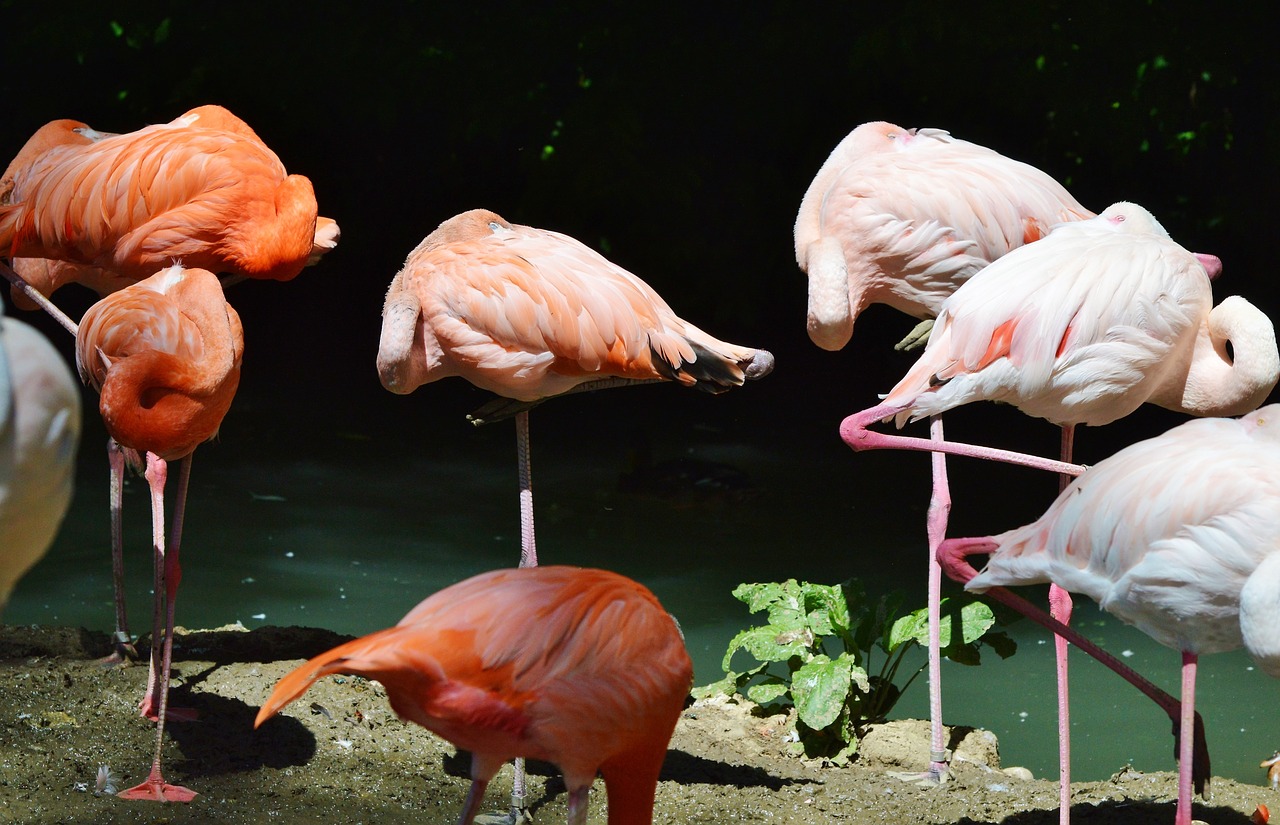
(677, 141)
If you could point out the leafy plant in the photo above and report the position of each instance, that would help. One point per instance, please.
(816, 650)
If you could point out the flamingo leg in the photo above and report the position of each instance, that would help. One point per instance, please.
(1185, 752)
(154, 788)
(855, 433)
(40, 301)
(954, 562)
(939, 511)
(528, 558)
(121, 639)
(578, 804)
(1060, 609)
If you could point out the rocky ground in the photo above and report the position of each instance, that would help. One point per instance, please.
(340, 754)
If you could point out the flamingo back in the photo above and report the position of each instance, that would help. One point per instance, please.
(582, 668)
(213, 198)
(1164, 534)
(528, 313)
(1079, 328)
(904, 217)
(165, 354)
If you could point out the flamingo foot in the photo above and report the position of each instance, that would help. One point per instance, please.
(939, 773)
(155, 789)
(124, 653)
(515, 816)
(150, 708)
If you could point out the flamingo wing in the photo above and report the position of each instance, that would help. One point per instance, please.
(529, 313)
(1171, 526)
(1064, 328)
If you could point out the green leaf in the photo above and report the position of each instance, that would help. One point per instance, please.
(767, 693)
(973, 618)
(913, 627)
(820, 688)
(767, 644)
(725, 687)
(826, 611)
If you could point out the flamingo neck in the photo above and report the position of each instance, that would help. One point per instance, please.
(1216, 381)
(1259, 607)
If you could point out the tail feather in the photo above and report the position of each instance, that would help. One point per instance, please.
(715, 372)
(342, 659)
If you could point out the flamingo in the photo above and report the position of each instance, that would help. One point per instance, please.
(39, 432)
(202, 189)
(1176, 535)
(1081, 327)
(904, 216)
(581, 668)
(105, 210)
(165, 355)
(529, 314)
(1084, 327)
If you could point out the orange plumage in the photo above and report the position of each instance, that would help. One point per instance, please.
(581, 668)
(202, 190)
(165, 355)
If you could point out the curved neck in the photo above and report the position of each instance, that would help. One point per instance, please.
(1222, 381)
(1258, 600)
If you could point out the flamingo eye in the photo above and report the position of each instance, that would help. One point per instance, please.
(494, 226)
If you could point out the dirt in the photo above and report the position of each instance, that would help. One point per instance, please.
(340, 755)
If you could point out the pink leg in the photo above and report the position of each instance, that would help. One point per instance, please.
(578, 803)
(154, 788)
(954, 558)
(1185, 752)
(855, 433)
(41, 301)
(528, 558)
(939, 510)
(528, 548)
(121, 640)
(475, 796)
(1060, 609)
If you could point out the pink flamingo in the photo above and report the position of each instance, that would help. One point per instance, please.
(165, 355)
(904, 216)
(105, 210)
(529, 314)
(1176, 535)
(582, 668)
(1083, 326)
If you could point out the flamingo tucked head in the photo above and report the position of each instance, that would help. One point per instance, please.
(165, 353)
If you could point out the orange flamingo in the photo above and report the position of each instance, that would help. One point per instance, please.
(203, 190)
(581, 668)
(104, 210)
(529, 314)
(39, 431)
(1175, 535)
(165, 355)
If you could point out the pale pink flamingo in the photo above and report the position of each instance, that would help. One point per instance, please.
(165, 355)
(1176, 535)
(529, 314)
(1083, 326)
(581, 668)
(39, 433)
(904, 216)
(106, 210)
